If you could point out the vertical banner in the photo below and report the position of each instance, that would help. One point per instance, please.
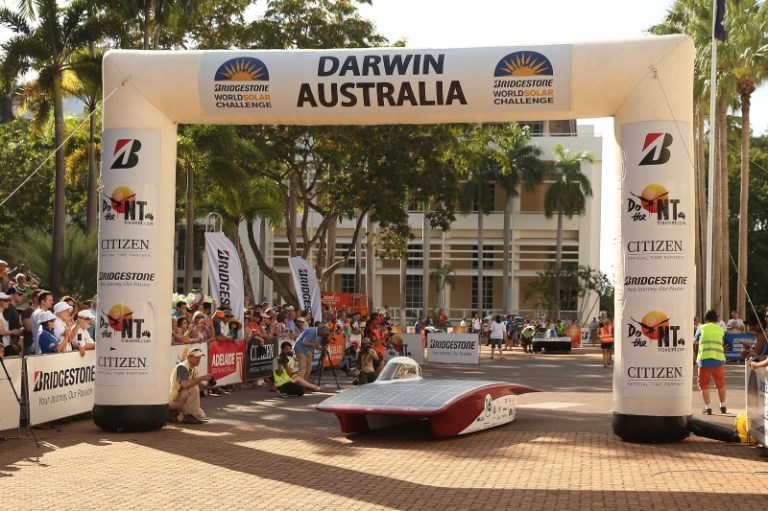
(654, 317)
(225, 274)
(306, 286)
(9, 407)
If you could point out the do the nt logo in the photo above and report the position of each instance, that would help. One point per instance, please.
(656, 149)
(126, 153)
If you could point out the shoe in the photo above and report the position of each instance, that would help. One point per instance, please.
(191, 419)
(174, 417)
(723, 409)
(281, 393)
(708, 411)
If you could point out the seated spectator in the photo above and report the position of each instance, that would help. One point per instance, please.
(82, 339)
(367, 362)
(47, 340)
(286, 382)
(186, 384)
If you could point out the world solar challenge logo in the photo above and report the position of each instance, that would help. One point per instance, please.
(529, 79)
(240, 84)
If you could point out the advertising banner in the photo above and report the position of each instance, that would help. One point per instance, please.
(258, 359)
(414, 346)
(653, 326)
(225, 361)
(735, 344)
(225, 274)
(9, 407)
(126, 332)
(306, 287)
(757, 400)
(453, 348)
(377, 81)
(60, 385)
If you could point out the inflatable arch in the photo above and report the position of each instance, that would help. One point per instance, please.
(646, 84)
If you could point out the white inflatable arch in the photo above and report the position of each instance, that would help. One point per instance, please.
(646, 84)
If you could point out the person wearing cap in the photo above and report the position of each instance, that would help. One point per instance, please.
(81, 338)
(186, 383)
(47, 340)
(367, 361)
(301, 324)
(63, 312)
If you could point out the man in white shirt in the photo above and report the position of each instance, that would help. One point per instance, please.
(81, 338)
(44, 304)
(735, 325)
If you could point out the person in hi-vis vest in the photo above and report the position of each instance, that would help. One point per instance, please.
(286, 382)
(711, 360)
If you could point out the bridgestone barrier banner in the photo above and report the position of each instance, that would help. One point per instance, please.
(225, 274)
(258, 359)
(414, 345)
(226, 361)
(757, 401)
(60, 385)
(453, 348)
(306, 286)
(9, 407)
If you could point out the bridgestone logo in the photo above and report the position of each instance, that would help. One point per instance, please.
(223, 269)
(655, 281)
(452, 345)
(63, 378)
(127, 276)
(306, 295)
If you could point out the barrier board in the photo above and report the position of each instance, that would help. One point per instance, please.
(445, 348)
(60, 385)
(755, 382)
(225, 361)
(9, 407)
(414, 346)
(258, 359)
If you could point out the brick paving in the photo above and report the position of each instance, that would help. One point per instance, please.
(263, 452)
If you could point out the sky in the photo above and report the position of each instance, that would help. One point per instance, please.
(477, 23)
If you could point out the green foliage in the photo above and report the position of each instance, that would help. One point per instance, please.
(577, 281)
(80, 259)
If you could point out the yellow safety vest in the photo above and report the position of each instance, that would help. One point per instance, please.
(285, 377)
(711, 343)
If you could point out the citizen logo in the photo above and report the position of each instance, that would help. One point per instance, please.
(122, 362)
(124, 244)
(655, 246)
(655, 373)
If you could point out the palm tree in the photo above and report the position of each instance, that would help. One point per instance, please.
(442, 276)
(45, 41)
(746, 50)
(525, 170)
(567, 197)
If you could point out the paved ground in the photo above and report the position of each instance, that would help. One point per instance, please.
(262, 452)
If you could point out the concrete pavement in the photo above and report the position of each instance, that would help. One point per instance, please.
(263, 452)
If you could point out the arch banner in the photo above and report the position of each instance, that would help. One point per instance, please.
(646, 84)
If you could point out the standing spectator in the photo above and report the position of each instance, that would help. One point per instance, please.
(26, 321)
(180, 311)
(47, 341)
(606, 341)
(721, 323)
(10, 348)
(12, 316)
(594, 326)
(44, 304)
(95, 313)
(526, 337)
(497, 334)
(735, 325)
(476, 324)
(5, 279)
(711, 360)
(81, 339)
(305, 345)
(61, 328)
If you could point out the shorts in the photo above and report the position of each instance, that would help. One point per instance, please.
(495, 342)
(705, 373)
(606, 345)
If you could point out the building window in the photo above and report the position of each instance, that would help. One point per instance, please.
(487, 257)
(347, 282)
(487, 293)
(415, 256)
(413, 293)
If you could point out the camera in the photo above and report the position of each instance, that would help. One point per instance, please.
(364, 350)
(324, 340)
(282, 358)
(211, 381)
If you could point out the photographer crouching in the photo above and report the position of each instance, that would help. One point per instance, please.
(368, 361)
(286, 382)
(185, 389)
